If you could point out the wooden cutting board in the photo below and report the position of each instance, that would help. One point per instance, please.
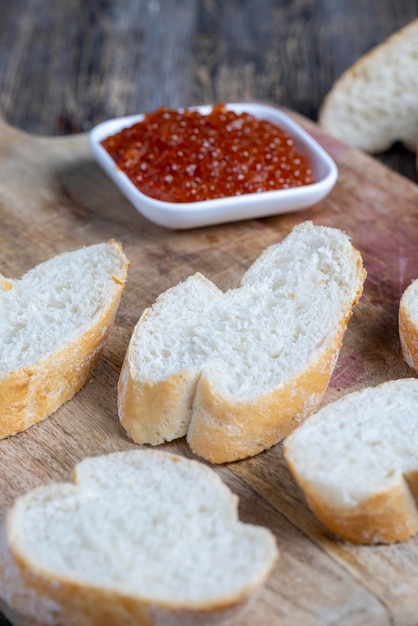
(53, 198)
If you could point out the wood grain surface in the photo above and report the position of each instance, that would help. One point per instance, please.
(66, 65)
(55, 198)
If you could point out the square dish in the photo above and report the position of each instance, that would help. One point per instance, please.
(182, 215)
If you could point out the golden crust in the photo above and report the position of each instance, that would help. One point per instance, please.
(217, 429)
(221, 431)
(385, 517)
(360, 72)
(58, 600)
(86, 605)
(30, 394)
(408, 334)
(153, 413)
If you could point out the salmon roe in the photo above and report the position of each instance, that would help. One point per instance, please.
(184, 156)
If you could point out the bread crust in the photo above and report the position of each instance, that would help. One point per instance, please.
(218, 429)
(388, 516)
(30, 394)
(340, 111)
(222, 431)
(84, 605)
(408, 334)
(55, 599)
(355, 463)
(221, 428)
(155, 412)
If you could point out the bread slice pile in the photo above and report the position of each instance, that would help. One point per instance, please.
(356, 461)
(138, 537)
(54, 323)
(237, 371)
(375, 102)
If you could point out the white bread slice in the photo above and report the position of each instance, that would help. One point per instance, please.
(408, 325)
(237, 371)
(356, 461)
(55, 321)
(375, 102)
(141, 537)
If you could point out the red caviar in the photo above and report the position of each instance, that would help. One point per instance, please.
(184, 156)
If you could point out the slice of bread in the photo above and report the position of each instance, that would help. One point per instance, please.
(55, 321)
(375, 102)
(139, 537)
(408, 325)
(356, 461)
(237, 371)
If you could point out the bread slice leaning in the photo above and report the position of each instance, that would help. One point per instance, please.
(356, 461)
(237, 371)
(375, 102)
(408, 325)
(139, 538)
(55, 321)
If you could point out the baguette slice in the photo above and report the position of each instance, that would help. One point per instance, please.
(55, 321)
(408, 325)
(375, 102)
(140, 538)
(237, 371)
(356, 461)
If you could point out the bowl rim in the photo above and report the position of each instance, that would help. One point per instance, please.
(231, 208)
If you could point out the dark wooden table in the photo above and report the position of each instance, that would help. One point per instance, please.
(66, 65)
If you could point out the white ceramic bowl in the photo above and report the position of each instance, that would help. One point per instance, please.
(248, 206)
